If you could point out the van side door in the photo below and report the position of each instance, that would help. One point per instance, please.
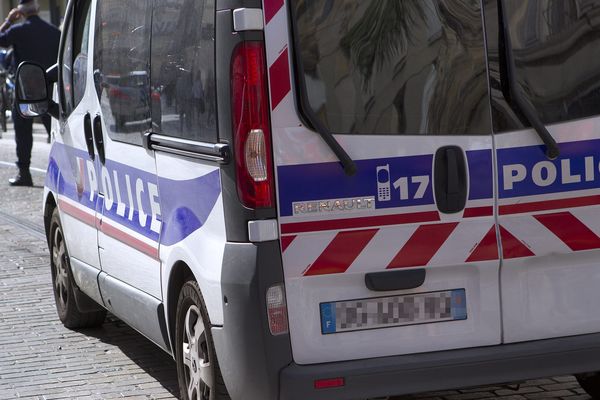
(130, 224)
(184, 134)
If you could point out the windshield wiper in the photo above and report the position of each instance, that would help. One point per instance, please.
(348, 163)
(513, 92)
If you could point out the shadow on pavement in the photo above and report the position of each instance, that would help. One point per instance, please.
(149, 357)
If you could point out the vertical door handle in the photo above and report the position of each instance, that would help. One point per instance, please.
(450, 174)
(89, 136)
(99, 139)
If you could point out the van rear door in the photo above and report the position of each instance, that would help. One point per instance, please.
(401, 257)
(548, 209)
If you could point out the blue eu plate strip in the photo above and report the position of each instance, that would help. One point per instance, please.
(459, 304)
(328, 318)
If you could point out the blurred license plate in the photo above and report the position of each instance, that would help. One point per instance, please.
(384, 312)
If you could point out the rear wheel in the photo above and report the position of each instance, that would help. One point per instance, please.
(197, 367)
(63, 283)
(590, 383)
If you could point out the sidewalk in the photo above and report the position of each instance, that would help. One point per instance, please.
(39, 358)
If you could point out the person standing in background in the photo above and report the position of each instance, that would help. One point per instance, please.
(32, 40)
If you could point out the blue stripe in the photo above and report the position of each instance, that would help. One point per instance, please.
(459, 304)
(185, 205)
(312, 182)
(529, 156)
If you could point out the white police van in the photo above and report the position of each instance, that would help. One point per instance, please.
(321, 199)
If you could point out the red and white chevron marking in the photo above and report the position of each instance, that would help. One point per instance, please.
(439, 244)
(277, 51)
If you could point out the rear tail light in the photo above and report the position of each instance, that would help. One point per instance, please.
(251, 126)
(277, 310)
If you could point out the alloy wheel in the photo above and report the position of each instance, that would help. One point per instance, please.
(198, 370)
(60, 263)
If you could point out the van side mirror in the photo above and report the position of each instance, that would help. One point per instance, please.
(33, 98)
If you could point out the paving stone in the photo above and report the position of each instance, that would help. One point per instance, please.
(520, 390)
(470, 396)
(561, 386)
(546, 395)
(578, 397)
(39, 358)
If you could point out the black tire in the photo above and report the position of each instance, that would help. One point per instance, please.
(590, 383)
(63, 283)
(198, 378)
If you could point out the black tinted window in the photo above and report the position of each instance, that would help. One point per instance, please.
(121, 67)
(66, 72)
(74, 56)
(183, 87)
(555, 47)
(393, 67)
(81, 43)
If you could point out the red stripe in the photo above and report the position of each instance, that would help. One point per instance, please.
(513, 247)
(365, 222)
(549, 205)
(279, 78)
(77, 213)
(271, 8)
(286, 241)
(422, 245)
(129, 240)
(570, 230)
(341, 252)
(108, 230)
(474, 212)
(487, 249)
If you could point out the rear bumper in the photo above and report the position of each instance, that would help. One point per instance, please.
(258, 366)
(444, 370)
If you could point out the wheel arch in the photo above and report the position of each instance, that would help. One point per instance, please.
(49, 206)
(180, 273)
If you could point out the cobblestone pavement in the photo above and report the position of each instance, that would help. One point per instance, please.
(40, 359)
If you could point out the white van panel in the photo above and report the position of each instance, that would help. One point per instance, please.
(549, 286)
(201, 246)
(310, 346)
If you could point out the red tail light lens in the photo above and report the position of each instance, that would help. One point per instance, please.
(251, 126)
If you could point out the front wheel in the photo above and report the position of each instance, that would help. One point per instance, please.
(198, 371)
(63, 283)
(590, 383)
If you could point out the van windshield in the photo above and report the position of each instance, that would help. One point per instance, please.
(392, 67)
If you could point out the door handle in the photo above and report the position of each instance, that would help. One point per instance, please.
(450, 174)
(89, 136)
(99, 139)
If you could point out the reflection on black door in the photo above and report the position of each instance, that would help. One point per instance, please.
(183, 75)
(556, 47)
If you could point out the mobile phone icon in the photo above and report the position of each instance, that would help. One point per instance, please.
(384, 192)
